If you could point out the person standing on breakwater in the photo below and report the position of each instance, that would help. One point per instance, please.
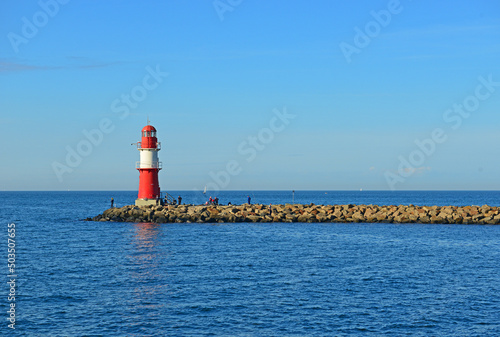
(270, 210)
(180, 199)
(112, 202)
(249, 200)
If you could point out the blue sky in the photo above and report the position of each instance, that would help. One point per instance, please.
(225, 71)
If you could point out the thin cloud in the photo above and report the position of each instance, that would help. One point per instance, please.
(417, 170)
(6, 67)
(441, 30)
(9, 66)
(448, 33)
(97, 65)
(412, 170)
(82, 62)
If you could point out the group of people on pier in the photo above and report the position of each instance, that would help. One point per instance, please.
(212, 201)
(166, 201)
(172, 202)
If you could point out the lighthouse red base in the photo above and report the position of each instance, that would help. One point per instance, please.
(149, 187)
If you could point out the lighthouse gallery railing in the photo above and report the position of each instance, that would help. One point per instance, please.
(158, 146)
(138, 165)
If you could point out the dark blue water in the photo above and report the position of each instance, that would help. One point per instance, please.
(81, 278)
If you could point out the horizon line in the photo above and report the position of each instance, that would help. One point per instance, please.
(270, 190)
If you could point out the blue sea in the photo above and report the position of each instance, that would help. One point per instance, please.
(79, 278)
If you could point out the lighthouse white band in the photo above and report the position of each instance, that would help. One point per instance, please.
(148, 159)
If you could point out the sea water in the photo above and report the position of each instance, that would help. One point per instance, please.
(81, 278)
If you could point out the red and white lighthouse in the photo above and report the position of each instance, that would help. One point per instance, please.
(148, 166)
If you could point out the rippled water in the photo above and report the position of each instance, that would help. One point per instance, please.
(122, 279)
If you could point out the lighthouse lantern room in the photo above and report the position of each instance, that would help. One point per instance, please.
(148, 166)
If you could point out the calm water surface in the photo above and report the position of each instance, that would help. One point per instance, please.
(121, 279)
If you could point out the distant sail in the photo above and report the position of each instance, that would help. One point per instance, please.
(205, 190)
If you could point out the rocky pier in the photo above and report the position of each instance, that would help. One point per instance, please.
(483, 215)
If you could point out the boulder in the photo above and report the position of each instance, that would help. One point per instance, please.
(358, 217)
(302, 218)
(254, 218)
(436, 219)
(424, 219)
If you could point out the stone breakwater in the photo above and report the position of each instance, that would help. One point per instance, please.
(303, 213)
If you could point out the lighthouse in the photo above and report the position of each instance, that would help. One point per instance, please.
(148, 166)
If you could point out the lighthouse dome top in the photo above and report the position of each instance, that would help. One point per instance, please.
(148, 128)
(148, 131)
